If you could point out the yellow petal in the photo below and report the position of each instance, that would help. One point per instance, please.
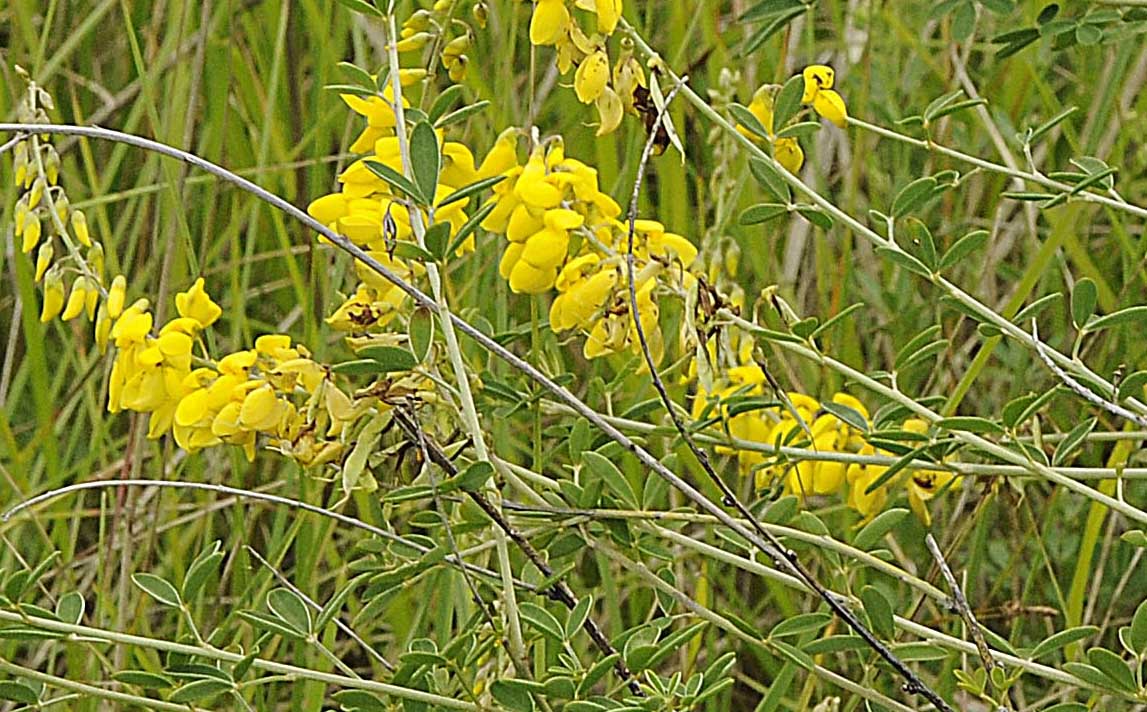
(830, 105)
(816, 77)
(549, 20)
(610, 111)
(591, 76)
(788, 153)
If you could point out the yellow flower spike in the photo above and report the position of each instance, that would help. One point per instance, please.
(591, 77)
(549, 21)
(43, 259)
(116, 296)
(609, 110)
(830, 105)
(196, 304)
(76, 300)
(788, 153)
(816, 77)
(32, 231)
(53, 296)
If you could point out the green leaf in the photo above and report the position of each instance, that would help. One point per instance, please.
(748, 120)
(202, 689)
(879, 611)
(913, 196)
(905, 260)
(924, 353)
(1072, 441)
(357, 367)
(158, 588)
(143, 678)
(768, 8)
(835, 644)
(970, 424)
(788, 101)
(18, 692)
(389, 359)
(1132, 386)
(361, 6)
(605, 469)
(1066, 707)
(1135, 537)
(762, 212)
(815, 216)
(1138, 633)
(70, 607)
(800, 130)
(910, 652)
(456, 117)
(420, 332)
(201, 569)
(802, 623)
(360, 700)
(356, 74)
(270, 623)
(541, 620)
(793, 654)
(940, 102)
(921, 237)
(769, 179)
(836, 319)
(1113, 667)
(395, 180)
(468, 191)
(436, 238)
(963, 247)
(881, 525)
(1035, 308)
(783, 510)
(425, 160)
(1062, 639)
(762, 35)
(805, 327)
(1083, 300)
(443, 101)
(469, 227)
(577, 617)
(1130, 315)
(511, 695)
(848, 415)
(596, 672)
(289, 607)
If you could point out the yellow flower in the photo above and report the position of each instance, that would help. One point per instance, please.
(53, 297)
(591, 77)
(502, 157)
(609, 110)
(80, 227)
(860, 477)
(787, 151)
(818, 80)
(197, 305)
(923, 485)
(77, 299)
(116, 296)
(550, 19)
(43, 259)
(31, 234)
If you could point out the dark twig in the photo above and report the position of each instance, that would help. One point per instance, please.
(1080, 389)
(767, 542)
(960, 603)
(558, 591)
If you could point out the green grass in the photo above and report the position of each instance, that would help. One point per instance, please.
(242, 84)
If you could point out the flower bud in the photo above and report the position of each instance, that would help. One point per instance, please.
(406, 77)
(36, 193)
(80, 227)
(414, 42)
(481, 13)
(92, 297)
(20, 162)
(455, 48)
(62, 207)
(76, 300)
(43, 259)
(51, 164)
(442, 5)
(103, 328)
(457, 70)
(96, 259)
(116, 296)
(21, 214)
(32, 230)
(53, 296)
(418, 21)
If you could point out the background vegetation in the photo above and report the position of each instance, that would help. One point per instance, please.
(242, 84)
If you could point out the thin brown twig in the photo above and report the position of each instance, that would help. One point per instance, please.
(558, 591)
(782, 556)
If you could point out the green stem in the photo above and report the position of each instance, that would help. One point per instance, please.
(90, 690)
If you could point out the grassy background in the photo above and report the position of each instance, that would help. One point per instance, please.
(241, 83)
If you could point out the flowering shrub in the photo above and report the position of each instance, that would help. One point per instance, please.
(575, 427)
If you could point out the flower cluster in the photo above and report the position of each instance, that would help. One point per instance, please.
(424, 27)
(563, 233)
(737, 400)
(45, 220)
(233, 400)
(368, 212)
(818, 80)
(615, 92)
